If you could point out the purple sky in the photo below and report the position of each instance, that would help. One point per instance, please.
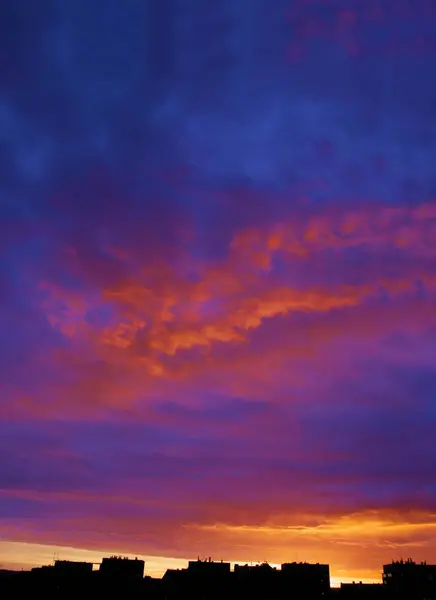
(218, 286)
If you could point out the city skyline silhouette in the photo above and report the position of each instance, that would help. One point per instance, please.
(206, 579)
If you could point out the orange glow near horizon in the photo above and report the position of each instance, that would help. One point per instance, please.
(26, 556)
(331, 541)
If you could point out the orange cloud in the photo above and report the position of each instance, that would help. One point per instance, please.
(160, 315)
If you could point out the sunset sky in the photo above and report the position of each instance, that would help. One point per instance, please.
(218, 283)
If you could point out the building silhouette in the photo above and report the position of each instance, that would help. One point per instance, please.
(120, 567)
(308, 578)
(123, 579)
(201, 579)
(257, 581)
(411, 580)
(208, 568)
(65, 568)
(362, 591)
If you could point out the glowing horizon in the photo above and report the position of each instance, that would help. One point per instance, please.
(36, 555)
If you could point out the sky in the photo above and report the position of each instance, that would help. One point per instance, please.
(217, 284)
